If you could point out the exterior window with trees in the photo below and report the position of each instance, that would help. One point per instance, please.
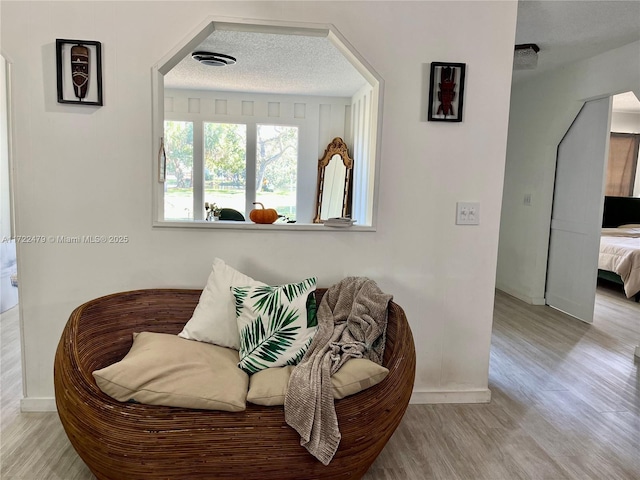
(228, 164)
(277, 168)
(225, 165)
(178, 194)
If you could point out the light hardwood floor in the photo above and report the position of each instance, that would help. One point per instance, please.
(565, 405)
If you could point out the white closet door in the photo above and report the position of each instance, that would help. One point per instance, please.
(577, 212)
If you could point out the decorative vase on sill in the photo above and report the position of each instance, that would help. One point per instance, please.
(213, 212)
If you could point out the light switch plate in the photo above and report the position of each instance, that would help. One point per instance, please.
(467, 213)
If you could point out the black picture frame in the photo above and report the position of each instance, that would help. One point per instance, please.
(451, 109)
(64, 70)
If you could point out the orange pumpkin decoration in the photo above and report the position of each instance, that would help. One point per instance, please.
(263, 215)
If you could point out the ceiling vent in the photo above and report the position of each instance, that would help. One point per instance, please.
(525, 56)
(213, 59)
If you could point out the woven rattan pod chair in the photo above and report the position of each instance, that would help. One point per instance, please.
(131, 441)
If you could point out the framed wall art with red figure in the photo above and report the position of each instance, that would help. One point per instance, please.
(446, 92)
(79, 71)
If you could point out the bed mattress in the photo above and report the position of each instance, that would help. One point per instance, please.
(620, 253)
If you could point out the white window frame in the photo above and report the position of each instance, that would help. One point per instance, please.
(251, 159)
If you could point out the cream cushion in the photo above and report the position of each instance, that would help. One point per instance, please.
(269, 386)
(164, 369)
(214, 318)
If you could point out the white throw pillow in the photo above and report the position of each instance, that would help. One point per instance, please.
(276, 324)
(214, 318)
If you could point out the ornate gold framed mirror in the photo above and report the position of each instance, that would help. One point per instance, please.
(334, 179)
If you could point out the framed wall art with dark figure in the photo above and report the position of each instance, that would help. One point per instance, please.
(79, 71)
(446, 92)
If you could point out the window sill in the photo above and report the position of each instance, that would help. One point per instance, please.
(231, 225)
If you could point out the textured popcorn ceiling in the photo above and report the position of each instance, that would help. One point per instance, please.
(269, 63)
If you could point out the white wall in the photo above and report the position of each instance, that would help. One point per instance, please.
(88, 171)
(542, 109)
(363, 135)
(625, 122)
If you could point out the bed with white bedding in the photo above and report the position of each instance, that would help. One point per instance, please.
(620, 254)
(620, 247)
(619, 259)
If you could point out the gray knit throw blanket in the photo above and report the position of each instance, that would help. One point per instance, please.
(352, 321)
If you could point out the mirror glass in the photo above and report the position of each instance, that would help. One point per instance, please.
(251, 128)
(333, 195)
(335, 177)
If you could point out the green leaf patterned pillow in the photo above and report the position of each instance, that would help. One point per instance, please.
(276, 324)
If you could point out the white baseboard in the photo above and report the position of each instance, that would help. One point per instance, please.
(455, 396)
(520, 296)
(48, 404)
(42, 404)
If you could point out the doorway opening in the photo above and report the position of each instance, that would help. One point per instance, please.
(10, 337)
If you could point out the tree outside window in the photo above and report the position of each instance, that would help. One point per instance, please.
(277, 167)
(178, 197)
(225, 167)
(225, 164)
